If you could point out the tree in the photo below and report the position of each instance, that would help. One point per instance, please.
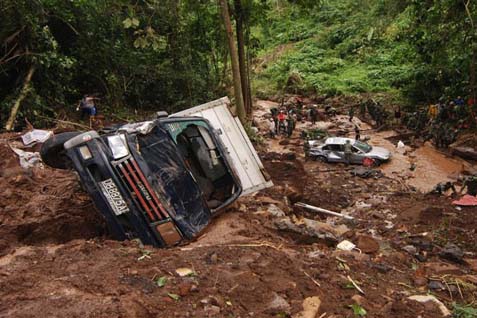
(243, 62)
(224, 7)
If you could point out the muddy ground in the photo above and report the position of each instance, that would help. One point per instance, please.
(263, 258)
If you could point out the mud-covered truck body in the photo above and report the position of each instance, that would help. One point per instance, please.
(160, 181)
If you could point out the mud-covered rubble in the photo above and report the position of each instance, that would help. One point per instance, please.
(264, 257)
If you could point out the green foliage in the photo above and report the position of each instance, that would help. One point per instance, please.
(149, 55)
(161, 281)
(414, 48)
(462, 311)
(358, 311)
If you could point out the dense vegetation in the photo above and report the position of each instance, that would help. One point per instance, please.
(148, 54)
(169, 54)
(416, 49)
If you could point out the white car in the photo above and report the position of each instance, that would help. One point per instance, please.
(332, 150)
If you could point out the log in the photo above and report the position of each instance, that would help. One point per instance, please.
(317, 209)
(23, 93)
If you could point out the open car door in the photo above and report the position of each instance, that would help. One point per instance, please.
(245, 160)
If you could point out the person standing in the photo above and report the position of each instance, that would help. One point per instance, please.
(290, 125)
(471, 184)
(351, 113)
(347, 152)
(397, 115)
(272, 127)
(313, 115)
(357, 132)
(281, 122)
(87, 105)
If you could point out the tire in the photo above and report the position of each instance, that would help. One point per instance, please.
(377, 162)
(53, 152)
(321, 159)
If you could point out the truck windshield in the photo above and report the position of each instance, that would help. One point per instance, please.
(363, 146)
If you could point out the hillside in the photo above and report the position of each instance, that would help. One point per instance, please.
(374, 46)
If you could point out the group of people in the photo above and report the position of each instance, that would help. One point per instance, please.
(442, 122)
(447, 118)
(469, 183)
(376, 111)
(282, 122)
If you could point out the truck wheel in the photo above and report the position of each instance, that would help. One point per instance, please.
(53, 152)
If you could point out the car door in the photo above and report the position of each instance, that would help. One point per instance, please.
(242, 155)
(357, 156)
(336, 153)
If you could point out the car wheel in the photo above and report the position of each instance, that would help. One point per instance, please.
(321, 158)
(53, 152)
(377, 162)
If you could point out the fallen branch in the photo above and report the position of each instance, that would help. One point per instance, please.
(254, 245)
(65, 122)
(314, 208)
(355, 285)
(21, 97)
(312, 279)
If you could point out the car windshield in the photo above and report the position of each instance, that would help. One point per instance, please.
(363, 146)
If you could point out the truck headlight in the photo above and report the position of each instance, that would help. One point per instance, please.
(118, 146)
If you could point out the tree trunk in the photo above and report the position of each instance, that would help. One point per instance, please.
(234, 59)
(239, 18)
(21, 97)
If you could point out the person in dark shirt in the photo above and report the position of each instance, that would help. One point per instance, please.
(471, 184)
(357, 132)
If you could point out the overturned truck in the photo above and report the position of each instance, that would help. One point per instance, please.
(162, 181)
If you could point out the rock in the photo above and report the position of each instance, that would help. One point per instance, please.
(212, 310)
(286, 224)
(275, 211)
(382, 268)
(278, 305)
(431, 299)
(345, 246)
(184, 271)
(436, 285)
(472, 264)
(268, 200)
(360, 257)
(367, 244)
(410, 249)
(217, 301)
(213, 258)
(358, 299)
(421, 257)
(438, 268)
(293, 194)
(184, 289)
(321, 227)
(316, 254)
(420, 281)
(452, 253)
(289, 156)
(311, 307)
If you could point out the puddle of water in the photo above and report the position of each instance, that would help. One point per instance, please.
(431, 166)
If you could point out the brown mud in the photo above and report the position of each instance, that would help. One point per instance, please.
(56, 259)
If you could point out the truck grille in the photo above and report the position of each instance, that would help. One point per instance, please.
(138, 185)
